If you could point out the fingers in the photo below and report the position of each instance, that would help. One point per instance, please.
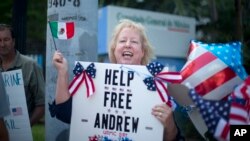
(160, 114)
(162, 108)
(163, 113)
(58, 57)
(60, 62)
(158, 111)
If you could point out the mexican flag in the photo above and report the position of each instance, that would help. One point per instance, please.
(62, 30)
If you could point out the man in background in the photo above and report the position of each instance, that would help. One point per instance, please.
(34, 85)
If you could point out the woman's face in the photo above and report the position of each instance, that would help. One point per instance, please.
(128, 48)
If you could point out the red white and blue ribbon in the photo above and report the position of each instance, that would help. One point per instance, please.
(156, 83)
(82, 76)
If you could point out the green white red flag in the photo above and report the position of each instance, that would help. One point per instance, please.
(62, 30)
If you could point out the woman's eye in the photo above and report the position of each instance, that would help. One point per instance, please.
(122, 41)
(135, 42)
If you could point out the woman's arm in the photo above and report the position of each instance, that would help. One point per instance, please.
(62, 91)
(62, 111)
(61, 108)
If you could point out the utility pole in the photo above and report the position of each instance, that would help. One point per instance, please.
(82, 47)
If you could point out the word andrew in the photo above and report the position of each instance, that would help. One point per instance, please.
(117, 100)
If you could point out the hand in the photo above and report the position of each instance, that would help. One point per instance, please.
(165, 115)
(60, 62)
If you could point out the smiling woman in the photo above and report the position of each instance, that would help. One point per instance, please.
(129, 49)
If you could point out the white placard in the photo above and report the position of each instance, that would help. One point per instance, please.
(17, 122)
(120, 109)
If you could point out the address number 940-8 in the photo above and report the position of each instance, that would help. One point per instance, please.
(63, 3)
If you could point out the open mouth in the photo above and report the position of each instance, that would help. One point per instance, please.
(127, 53)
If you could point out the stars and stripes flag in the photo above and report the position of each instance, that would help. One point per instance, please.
(215, 114)
(17, 111)
(82, 76)
(240, 113)
(220, 114)
(215, 69)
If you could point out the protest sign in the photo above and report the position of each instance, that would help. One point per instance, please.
(111, 102)
(17, 122)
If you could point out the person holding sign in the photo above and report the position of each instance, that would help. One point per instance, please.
(4, 111)
(129, 45)
(11, 59)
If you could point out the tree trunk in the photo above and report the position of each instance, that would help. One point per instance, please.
(213, 11)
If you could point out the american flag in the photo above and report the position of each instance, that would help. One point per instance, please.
(240, 112)
(17, 111)
(220, 114)
(213, 70)
(215, 114)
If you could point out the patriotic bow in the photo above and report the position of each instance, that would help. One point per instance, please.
(156, 82)
(80, 76)
(94, 138)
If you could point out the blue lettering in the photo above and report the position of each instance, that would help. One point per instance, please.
(12, 79)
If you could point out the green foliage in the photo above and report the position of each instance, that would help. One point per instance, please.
(38, 132)
(37, 20)
(6, 11)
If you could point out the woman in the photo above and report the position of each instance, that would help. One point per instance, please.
(129, 45)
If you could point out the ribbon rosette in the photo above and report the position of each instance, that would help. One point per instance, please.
(82, 75)
(156, 83)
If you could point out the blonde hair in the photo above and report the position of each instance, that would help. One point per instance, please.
(146, 46)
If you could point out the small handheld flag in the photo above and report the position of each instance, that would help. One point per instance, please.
(62, 30)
